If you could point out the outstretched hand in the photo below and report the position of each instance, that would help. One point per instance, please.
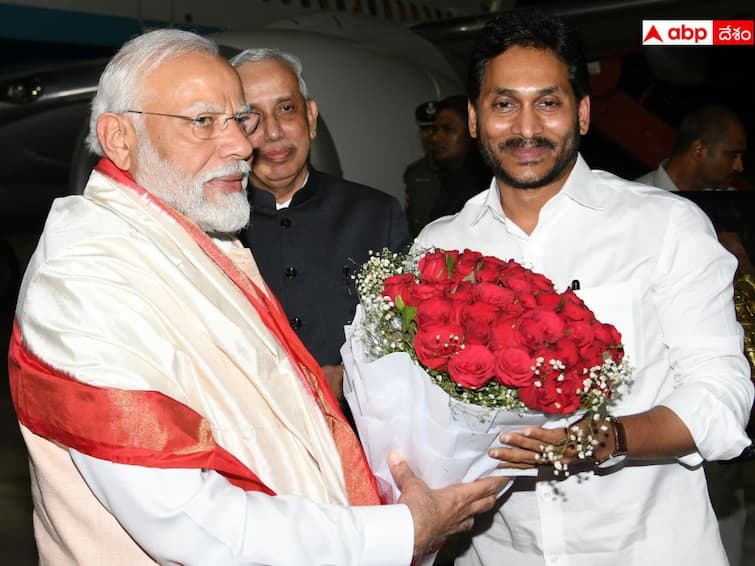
(524, 449)
(439, 513)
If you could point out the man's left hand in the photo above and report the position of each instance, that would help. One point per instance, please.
(523, 449)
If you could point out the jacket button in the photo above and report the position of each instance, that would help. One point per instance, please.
(290, 272)
(295, 323)
(285, 223)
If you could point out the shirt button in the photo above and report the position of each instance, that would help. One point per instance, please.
(290, 272)
(295, 323)
(285, 223)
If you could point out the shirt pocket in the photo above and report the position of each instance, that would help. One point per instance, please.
(618, 304)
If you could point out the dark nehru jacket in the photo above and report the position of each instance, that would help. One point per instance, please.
(308, 252)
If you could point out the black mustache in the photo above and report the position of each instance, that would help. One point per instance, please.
(537, 141)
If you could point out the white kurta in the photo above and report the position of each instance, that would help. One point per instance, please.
(119, 295)
(649, 263)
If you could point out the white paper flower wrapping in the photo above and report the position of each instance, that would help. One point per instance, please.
(396, 406)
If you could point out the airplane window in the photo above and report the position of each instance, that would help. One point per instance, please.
(401, 9)
(415, 11)
(356, 6)
(387, 10)
(372, 7)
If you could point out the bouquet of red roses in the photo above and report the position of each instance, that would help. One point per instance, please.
(462, 345)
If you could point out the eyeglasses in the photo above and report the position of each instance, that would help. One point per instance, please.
(210, 125)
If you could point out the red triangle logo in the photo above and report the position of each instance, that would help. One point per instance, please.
(652, 34)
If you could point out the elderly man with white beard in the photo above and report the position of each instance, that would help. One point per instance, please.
(170, 413)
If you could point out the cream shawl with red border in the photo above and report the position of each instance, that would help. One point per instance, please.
(137, 340)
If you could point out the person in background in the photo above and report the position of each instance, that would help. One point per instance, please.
(308, 230)
(421, 176)
(461, 169)
(171, 414)
(667, 288)
(707, 155)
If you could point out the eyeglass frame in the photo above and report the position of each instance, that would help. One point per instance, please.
(215, 115)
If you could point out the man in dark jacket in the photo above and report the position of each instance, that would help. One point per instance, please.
(308, 230)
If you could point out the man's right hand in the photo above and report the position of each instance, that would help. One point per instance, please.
(439, 513)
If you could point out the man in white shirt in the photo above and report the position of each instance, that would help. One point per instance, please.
(170, 412)
(707, 154)
(647, 262)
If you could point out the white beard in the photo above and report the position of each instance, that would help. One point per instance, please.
(227, 213)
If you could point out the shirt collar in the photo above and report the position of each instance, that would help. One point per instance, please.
(580, 186)
(662, 178)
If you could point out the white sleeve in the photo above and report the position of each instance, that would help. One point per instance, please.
(693, 292)
(192, 516)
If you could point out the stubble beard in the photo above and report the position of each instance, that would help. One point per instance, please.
(564, 159)
(226, 213)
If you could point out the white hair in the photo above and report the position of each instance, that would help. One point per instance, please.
(121, 83)
(257, 54)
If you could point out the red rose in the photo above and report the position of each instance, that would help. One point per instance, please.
(540, 326)
(469, 256)
(425, 291)
(477, 320)
(574, 308)
(461, 292)
(492, 294)
(531, 334)
(433, 267)
(552, 395)
(434, 312)
(541, 283)
(592, 354)
(549, 300)
(581, 332)
(504, 333)
(526, 300)
(492, 262)
(602, 333)
(609, 337)
(435, 346)
(566, 352)
(489, 270)
(606, 333)
(472, 366)
(518, 280)
(400, 286)
(466, 264)
(513, 366)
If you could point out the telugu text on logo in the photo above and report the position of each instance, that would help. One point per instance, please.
(697, 32)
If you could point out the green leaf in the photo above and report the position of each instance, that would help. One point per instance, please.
(450, 264)
(407, 317)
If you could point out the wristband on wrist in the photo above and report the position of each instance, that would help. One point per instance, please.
(619, 453)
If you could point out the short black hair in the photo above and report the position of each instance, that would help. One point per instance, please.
(457, 103)
(707, 123)
(528, 28)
